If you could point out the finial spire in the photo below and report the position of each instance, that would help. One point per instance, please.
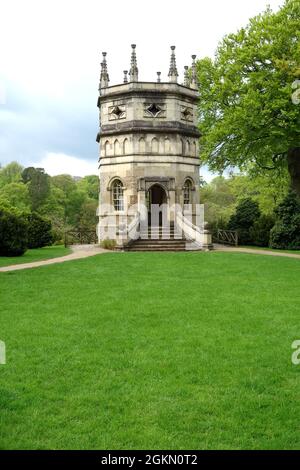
(134, 72)
(186, 81)
(173, 73)
(194, 81)
(104, 77)
(158, 77)
(125, 76)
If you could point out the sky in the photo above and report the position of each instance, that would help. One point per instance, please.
(50, 54)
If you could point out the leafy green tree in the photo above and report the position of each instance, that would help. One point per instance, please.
(74, 204)
(222, 195)
(38, 186)
(286, 231)
(247, 212)
(13, 234)
(65, 201)
(65, 183)
(219, 202)
(88, 219)
(39, 231)
(15, 195)
(260, 231)
(266, 189)
(247, 117)
(54, 209)
(10, 173)
(90, 185)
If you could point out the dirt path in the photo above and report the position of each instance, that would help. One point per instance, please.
(253, 251)
(77, 253)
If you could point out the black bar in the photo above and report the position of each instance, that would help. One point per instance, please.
(137, 459)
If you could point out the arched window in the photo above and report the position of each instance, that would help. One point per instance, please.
(117, 147)
(154, 145)
(118, 195)
(126, 147)
(167, 145)
(142, 145)
(182, 147)
(188, 148)
(187, 188)
(106, 148)
(195, 149)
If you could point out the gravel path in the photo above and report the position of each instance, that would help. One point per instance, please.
(85, 251)
(78, 252)
(253, 251)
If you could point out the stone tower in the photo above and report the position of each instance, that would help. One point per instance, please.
(149, 153)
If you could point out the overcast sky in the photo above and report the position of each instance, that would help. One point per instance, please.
(50, 53)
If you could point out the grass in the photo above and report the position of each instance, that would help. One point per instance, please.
(151, 351)
(37, 254)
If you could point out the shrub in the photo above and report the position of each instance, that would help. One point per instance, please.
(108, 244)
(13, 234)
(286, 232)
(260, 231)
(39, 231)
(247, 212)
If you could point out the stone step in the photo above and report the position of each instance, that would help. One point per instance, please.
(163, 247)
(156, 248)
(159, 242)
(173, 239)
(157, 245)
(154, 233)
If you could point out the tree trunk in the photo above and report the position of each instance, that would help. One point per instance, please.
(293, 159)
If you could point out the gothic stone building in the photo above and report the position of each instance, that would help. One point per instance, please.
(149, 153)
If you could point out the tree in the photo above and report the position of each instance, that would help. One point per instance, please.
(247, 117)
(10, 173)
(38, 185)
(247, 212)
(73, 207)
(222, 195)
(88, 218)
(15, 195)
(54, 209)
(219, 202)
(268, 190)
(90, 184)
(260, 231)
(13, 234)
(64, 182)
(286, 232)
(39, 231)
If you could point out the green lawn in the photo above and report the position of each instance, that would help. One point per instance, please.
(151, 350)
(37, 254)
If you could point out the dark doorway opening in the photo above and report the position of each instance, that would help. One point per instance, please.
(156, 196)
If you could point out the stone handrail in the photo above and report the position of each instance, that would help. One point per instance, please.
(131, 231)
(191, 231)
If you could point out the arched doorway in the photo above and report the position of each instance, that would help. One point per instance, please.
(156, 202)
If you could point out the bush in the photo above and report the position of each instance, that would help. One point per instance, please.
(260, 231)
(286, 232)
(108, 244)
(13, 234)
(39, 231)
(247, 212)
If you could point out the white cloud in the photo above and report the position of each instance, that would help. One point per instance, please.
(60, 163)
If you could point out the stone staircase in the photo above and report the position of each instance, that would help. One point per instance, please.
(158, 239)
